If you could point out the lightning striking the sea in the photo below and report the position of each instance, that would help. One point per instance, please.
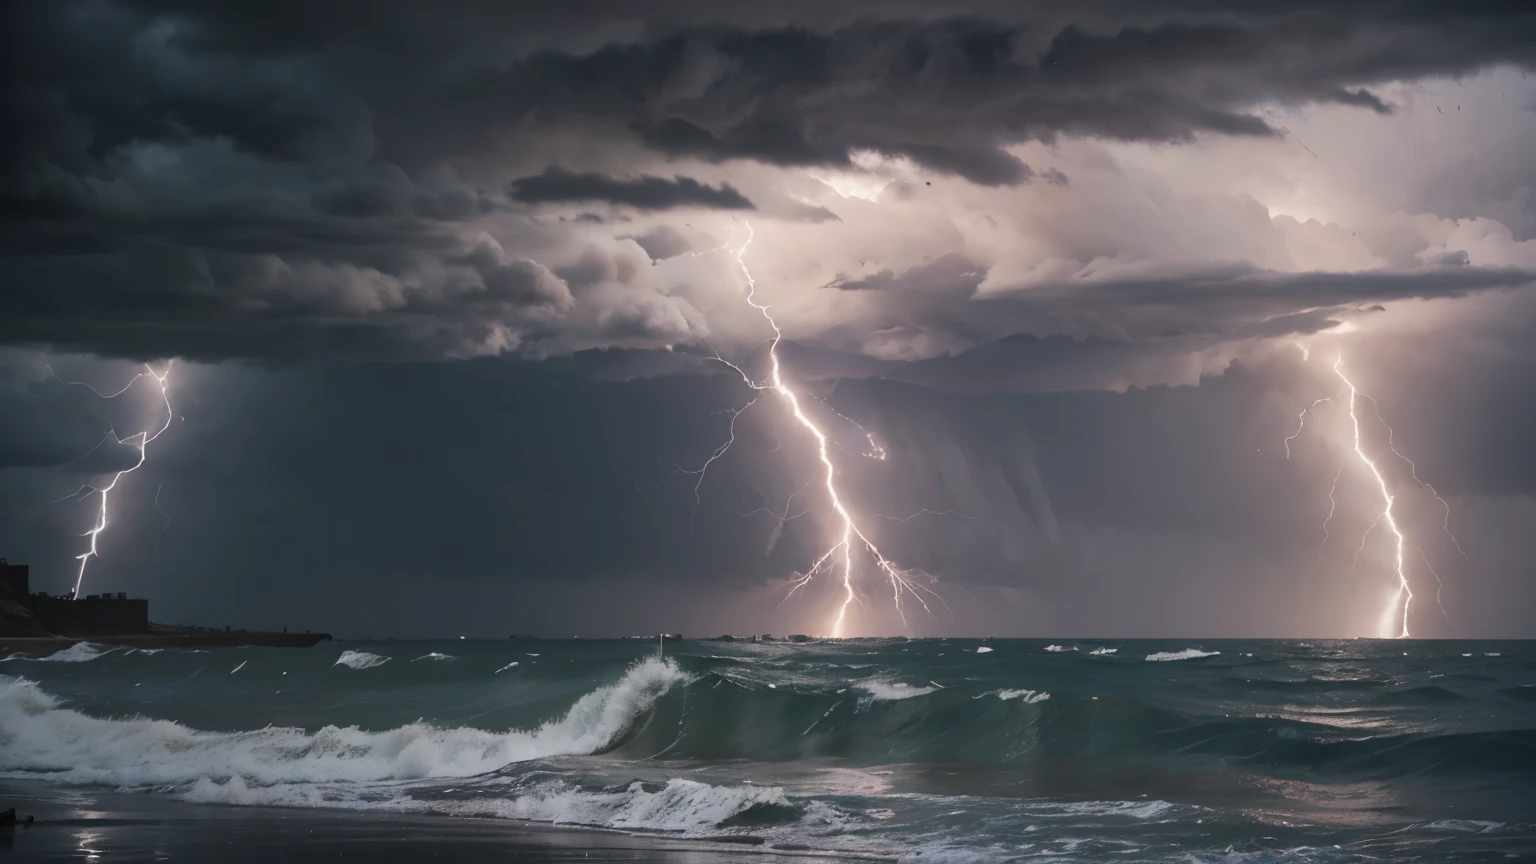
(1404, 593)
(838, 559)
(1394, 620)
(141, 441)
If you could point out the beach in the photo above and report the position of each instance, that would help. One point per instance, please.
(86, 824)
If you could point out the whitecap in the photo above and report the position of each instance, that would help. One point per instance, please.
(360, 660)
(1468, 826)
(983, 650)
(685, 807)
(435, 656)
(1058, 648)
(45, 740)
(888, 691)
(1186, 654)
(1030, 696)
(79, 652)
(1100, 652)
(506, 667)
(1144, 810)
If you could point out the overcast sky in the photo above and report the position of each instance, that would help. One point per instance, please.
(442, 290)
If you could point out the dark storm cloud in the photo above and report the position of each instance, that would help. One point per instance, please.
(1125, 320)
(1242, 286)
(557, 185)
(917, 89)
(290, 180)
(158, 301)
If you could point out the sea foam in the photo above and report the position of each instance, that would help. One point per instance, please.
(1030, 696)
(360, 660)
(889, 691)
(1186, 654)
(686, 807)
(76, 653)
(38, 736)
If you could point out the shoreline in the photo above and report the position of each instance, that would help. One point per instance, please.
(41, 646)
(122, 826)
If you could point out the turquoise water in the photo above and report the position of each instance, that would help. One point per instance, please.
(922, 750)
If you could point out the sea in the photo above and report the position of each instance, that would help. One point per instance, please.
(913, 750)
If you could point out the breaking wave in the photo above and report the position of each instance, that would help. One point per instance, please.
(678, 806)
(38, 737)
(79, 652)
(884, 748)
(1186, 654)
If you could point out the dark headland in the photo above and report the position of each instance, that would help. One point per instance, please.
(40, 624)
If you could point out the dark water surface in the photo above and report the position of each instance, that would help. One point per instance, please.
(926, 750)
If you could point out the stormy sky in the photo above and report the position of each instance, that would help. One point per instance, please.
(445, 290)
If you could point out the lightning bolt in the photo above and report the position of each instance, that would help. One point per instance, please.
(1404, 592)
(1301, 425)
(141, 440)
(1333, 505)
(837, 559)
(926, 512)
(703, 470)
(163, 528)
(1414, 471)
(875, 451)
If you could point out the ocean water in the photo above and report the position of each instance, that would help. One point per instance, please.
(933, 750)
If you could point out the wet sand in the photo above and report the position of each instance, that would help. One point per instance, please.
(87, 824)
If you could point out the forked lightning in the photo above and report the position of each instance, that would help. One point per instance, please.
(141, 441)
(1395, 616)
(838, 559)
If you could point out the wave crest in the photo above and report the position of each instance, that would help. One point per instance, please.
(1186, 654)
(1029, 696)
(890, 691)
(38, 737)
(683, 806)
(79, 652)
(360, 660)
